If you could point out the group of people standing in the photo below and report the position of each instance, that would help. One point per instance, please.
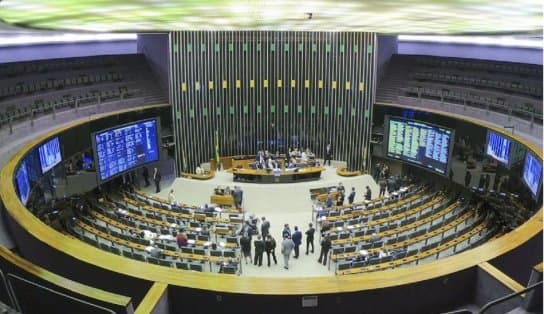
(265, 242)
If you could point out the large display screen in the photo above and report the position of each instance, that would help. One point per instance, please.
(125, 147)
(498, 147)
(532, 173)
(49, 154)
(23, 184)
(420, 143)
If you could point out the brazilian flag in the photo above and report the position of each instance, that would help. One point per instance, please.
(217, 150)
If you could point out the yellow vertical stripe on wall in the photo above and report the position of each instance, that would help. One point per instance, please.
(307, 83)
(225, 85)
(320, 84)
(279, 83)
(183, 87)
(238, 84)
(197, 85)
(348, 85)
(210, 84)
(265, 83)
(252, 83)
(361, 86)
(293, 83)
(333, 84)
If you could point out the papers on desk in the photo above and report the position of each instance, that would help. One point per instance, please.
(403, 189)
(198, 229)
(122, 211)
(207, 243)
(350, 227)
(168, 237)
(149, 249)
(322, 218)
(191, 241)
(363, 252)
(218, 209)
(291, 169)
(339, 228)
(395, 193)
(367, 202)
(173, 225)
(222, 244)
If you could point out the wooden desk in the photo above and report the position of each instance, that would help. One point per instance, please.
(223, 200)
(265, 176)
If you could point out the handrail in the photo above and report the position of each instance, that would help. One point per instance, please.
(508, 297)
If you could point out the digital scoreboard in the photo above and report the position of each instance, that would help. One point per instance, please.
(23, 184)
(532, 173)
(498, 147)
(50, 155)
(420, 143)
(125, 147)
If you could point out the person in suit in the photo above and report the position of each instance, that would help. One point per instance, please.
(238, 197)
(351, 196)
(245, 244)
(287, 246)
(265, 227)
(145, 174)
(259, 251)
(328, 200)
(340, 199)
(157, 179)
(310, 237)
(171, 197)
(325, 247)
(286, 231)
(368, 193)
(270, 247)
(328, 154)
(297, 239)
(383, 184)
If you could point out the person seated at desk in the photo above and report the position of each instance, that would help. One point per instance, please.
(304, 157)
(199, 171)
(171, 197)
(181, 238)
(291, 165)
(148, 235)
(154, 251)
(383, 253)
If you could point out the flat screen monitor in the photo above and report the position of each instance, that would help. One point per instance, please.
(532, 173)
(125, 147)
(498, 147)
(420, 143)
(50, 155)
(23, 184)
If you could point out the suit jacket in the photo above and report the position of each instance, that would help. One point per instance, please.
(287, 246)
(259, 246)
(297, 237)
(265, 227)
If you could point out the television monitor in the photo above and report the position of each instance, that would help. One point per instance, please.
(123, 148)
(23, 184)
(49, 154)
(420, 143)
(498, 147)
(532, 173)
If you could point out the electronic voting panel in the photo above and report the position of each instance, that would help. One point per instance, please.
(126, 147)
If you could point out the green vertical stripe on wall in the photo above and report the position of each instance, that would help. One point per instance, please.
(246, 109)
(273, 109)
(189, 47)
(217, 47)
(218, 110)
(312, 109)
(202, 47)
(231, 47)
(340, 109)
(176, 48)
(178, 114)
(342, 48)
(259, 47)
(353, 111)
(286, 47)
(370, 47)
(259, 108)
(205, 112)
(300, 47)
(231, 109)
(367, 113)
(326, 110)
(314, 47)
(244, 46)
(328, 48)
(299, 109)
(285, 109)
(272, 47)
(191, 113)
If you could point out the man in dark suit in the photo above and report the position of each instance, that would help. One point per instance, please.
(297, 239)
(265, 227)
(238, 197)
(270, 246)
(145, 174)
(310, 237)
(368, 194)
(325, 247)
(157, 179)
(328, 154)
(259, 251)
(351, 196)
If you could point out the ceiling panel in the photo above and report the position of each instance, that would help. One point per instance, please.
(391, 17)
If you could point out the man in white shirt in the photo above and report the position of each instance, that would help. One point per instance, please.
(148, 235)
(171, 197)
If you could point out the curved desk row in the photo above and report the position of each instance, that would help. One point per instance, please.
(207, 292)
(280, 176)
